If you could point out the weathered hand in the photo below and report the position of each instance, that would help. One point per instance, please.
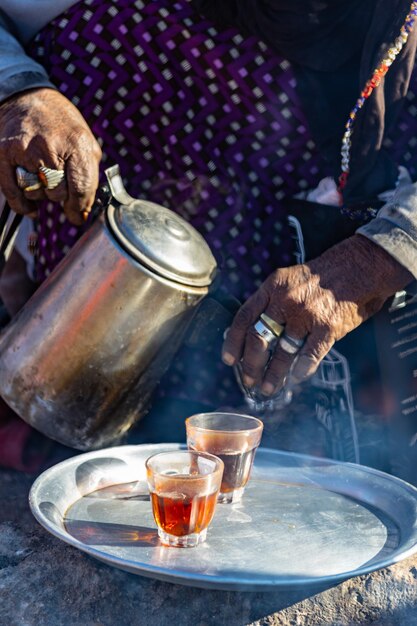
(319, 302)
(41, 127)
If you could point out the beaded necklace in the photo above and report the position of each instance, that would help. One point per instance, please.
(371, 84)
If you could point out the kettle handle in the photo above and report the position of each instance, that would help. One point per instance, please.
(213, 317)
(113, 188)
(116, 185)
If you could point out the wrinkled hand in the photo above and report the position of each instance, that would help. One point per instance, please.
(318, 302)
(41, 127)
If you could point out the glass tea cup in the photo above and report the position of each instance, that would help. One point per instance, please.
(184, 487)
(233, 438)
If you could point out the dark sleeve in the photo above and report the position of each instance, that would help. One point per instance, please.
(223, 12)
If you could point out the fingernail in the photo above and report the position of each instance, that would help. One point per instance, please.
(248, 381)
(85, 215)
(228, 358)
(268, 389)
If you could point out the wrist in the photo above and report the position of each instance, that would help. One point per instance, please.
(389, 273)
(359, 270)
(17, 86)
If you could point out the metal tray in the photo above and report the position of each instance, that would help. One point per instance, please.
(302, 521)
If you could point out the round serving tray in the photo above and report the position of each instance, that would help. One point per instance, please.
(302, 520)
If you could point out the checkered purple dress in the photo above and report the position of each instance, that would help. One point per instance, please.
(201, 120)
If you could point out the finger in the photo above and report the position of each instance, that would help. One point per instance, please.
(13, 194)
(59, 193)
(247, 315)
(36, 195)
(277, 371)
(257, 351)
(283, 358)
(37, 154)
(256, 355)
(314, 350)
(40, 151)
(82, 181)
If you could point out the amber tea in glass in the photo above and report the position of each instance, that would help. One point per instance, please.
(233, 438)
(184, 487)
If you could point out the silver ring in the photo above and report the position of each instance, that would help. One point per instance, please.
(263, 331)
(290, 345)
(46, 178)
(50, 178)
(27, 180)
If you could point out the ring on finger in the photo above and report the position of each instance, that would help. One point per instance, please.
(290, 345)
(266, 333)
(27, 181)
(50, 178)
(46, 178)
(274, 326)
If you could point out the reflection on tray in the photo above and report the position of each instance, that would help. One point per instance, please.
(107, 534)
(137, 490)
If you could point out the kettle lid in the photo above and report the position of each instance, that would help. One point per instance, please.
(163, 241)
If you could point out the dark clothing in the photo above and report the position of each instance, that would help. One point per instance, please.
(335, 45)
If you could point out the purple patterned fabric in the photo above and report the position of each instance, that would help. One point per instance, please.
(201, 120)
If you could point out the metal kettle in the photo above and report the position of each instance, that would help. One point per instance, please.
(82, 358)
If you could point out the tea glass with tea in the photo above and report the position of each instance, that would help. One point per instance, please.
(233, 438)
(184, 487)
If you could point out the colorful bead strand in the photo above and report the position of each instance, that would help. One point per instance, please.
(370, 85)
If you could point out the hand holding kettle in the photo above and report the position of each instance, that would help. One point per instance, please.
(41, 128)
(83, 357)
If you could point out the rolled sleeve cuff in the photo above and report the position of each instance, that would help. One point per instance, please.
(21, 82)
(395, 227)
